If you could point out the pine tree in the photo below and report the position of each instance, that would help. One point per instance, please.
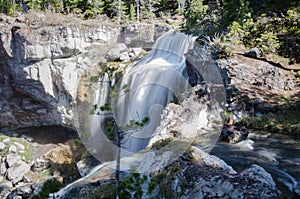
(93, 8)
(34, 4)
(132, 13)
(234, 10)
(194, 15)
(118, 11)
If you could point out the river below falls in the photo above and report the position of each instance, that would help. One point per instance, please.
(278, 154)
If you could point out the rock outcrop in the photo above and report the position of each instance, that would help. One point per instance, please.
(199, 175)
(254, 86)
(25, 169)
(200, 108)
(14, 164)
(41, 65)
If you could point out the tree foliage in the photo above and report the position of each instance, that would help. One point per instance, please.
(273, 26)
(116, 9)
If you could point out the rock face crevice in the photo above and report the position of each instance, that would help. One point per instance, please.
(41, 67)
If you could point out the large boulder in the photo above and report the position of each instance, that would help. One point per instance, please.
(254, 182)
(116, 52)
(12, 159)
(2, 146)
(249, 71)
(16, 172)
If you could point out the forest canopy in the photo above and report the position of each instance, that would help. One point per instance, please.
(270, 25)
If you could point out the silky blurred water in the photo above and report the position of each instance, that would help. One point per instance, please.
(278, 154)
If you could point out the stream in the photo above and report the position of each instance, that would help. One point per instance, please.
(278, 154)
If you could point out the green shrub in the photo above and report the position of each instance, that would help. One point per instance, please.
(161, 143)
(218, 46)
(50, 186)
(131, 187)
(105, 107)
(104, 191)
(268, 42)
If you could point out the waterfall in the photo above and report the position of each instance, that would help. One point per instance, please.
(94, 137)
(151, 83)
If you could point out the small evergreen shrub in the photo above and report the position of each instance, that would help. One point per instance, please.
(50, 186)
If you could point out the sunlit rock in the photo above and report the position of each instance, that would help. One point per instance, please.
(16, 172)
(12, 159)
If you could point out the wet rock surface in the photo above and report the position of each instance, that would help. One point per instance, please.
(200, 107)
(233, 134)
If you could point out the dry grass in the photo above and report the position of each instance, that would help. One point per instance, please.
(41, 19)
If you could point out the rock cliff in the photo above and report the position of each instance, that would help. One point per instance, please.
(42, 64)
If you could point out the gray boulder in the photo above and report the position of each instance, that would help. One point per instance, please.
(136, 52)
(115, 53)
(24, 191)
(12, 159)
(6, 140)
(2, 168)
(12, 149)
(83, 167)
(254, 182)
(19, 145)
(40, 164)
(253, 52)
(2, 146)
(124, 56)
(16, 172)
(202, 158)
(5, 188)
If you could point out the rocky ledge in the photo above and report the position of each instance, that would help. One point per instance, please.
(27, 166)
(196, 174)
(261, 95)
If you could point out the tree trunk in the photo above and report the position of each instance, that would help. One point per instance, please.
(118, 162)
(137, 10)
(119, 12)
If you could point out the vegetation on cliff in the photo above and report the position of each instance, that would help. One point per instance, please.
(272, 26)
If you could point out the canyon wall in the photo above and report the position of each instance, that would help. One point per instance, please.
(41, 65)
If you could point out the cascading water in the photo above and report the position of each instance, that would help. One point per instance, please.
(153, 82)
(276, 153)
(98, 120)
(157, 79)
